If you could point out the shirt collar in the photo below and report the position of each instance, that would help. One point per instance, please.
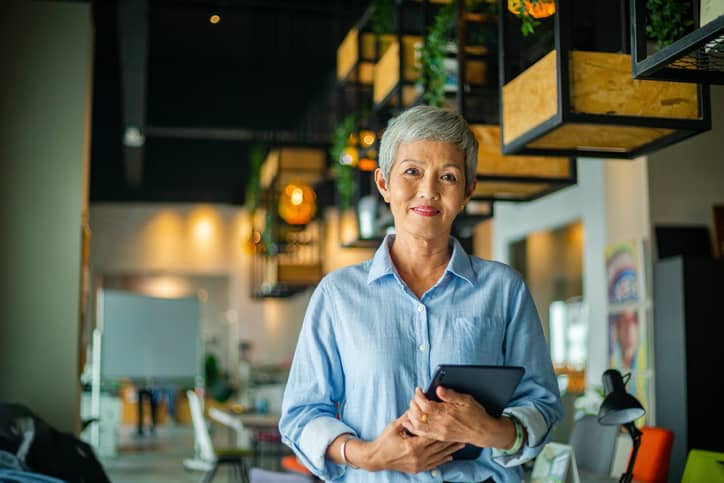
(459, 264)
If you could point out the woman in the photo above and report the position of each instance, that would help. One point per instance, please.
(374, 333)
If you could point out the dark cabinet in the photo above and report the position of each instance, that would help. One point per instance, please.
(689, 353)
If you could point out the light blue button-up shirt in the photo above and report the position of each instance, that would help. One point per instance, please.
(367, 341)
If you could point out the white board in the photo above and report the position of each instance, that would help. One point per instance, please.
(149, 338)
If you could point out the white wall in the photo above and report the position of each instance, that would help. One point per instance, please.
(45, 90)
(686, 179)
(585, 202)
(206, 240)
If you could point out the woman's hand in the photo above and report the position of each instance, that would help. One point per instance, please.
(458, 418)
(396, 450)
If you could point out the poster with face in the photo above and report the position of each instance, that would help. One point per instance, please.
(628, 348)
(624, 274)
(628, 319)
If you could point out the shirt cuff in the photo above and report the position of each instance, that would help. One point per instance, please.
(316, 437)
(536, 429)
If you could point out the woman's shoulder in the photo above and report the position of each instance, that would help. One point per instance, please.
(487, 268)
(348, 275)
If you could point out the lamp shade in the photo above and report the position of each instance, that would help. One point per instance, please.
(619, 407)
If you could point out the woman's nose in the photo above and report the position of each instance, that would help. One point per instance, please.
(428, 189)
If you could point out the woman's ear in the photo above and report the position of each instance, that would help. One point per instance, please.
(381, 183)
(470, 192)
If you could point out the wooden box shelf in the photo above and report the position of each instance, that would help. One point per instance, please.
(577, 102)
(357, 53)
(516, 178)
(696, 57)
(398, 68)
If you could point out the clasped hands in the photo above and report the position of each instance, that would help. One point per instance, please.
(429, 432)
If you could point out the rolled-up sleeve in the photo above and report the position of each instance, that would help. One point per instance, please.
(314, 390)
(536, 402)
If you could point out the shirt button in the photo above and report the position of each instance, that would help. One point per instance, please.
(423, 347)
(435, 473)
(420, 308)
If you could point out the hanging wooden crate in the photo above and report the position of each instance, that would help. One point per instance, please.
(696, 57)
(397, 72)
(586, 103)
(357, 53)
(516, 178)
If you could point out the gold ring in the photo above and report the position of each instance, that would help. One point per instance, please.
(424, 418)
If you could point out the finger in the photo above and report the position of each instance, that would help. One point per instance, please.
(442, 456)
(449, 395)
(446, 448)
(425, 405)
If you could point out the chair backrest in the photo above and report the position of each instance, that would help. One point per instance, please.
(593, 444)
(704, 466)
(654, 456)
(201, 431)
(258, 475)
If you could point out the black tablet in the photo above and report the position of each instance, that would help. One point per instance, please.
(491, 386)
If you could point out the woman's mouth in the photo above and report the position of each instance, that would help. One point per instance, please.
(425, 210)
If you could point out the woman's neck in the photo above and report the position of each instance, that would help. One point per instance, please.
(420, 263)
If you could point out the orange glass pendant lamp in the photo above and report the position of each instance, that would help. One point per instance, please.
(297, 203)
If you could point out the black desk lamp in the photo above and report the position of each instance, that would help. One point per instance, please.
(620, 407)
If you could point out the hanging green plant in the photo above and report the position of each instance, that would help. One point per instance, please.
(528, 11)
(344, 174)
(253, 185)
(432, 55)
(667, 21)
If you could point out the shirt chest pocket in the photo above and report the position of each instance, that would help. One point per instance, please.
(471, 340)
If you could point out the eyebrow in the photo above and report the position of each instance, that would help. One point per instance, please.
(416, 161)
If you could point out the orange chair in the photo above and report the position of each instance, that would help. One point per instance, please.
(654, 456)
(291, 463)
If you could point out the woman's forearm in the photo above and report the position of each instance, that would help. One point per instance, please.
(356, 452)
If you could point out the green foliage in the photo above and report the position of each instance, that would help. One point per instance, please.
(253, 185)
(667, 20)
(432, 55)
(527, 23)
(383, 17)
(344, 174)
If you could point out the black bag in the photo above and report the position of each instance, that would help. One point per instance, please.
(52, 452)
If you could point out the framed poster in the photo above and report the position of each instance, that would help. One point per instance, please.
(625, 274)
(630, 333)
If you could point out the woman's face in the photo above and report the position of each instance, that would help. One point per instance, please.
(426, 188)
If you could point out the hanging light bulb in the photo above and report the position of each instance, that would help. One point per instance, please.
(350, 156)
(297, 203)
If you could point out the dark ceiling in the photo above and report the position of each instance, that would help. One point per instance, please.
(264, 72)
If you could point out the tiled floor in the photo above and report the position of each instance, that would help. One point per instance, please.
(159, 459)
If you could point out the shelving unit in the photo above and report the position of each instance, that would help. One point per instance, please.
(287, 258)
(696, 57)
(579, 99)
(477, 96)
(397, 74)
(500, 178)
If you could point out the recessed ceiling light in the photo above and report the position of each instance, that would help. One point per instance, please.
(214, 19)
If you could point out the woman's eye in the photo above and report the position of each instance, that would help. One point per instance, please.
(411, 171)
(449, 177)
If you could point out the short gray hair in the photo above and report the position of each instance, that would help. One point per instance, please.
(427, 123)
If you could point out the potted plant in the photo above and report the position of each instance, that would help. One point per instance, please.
(667, 20)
